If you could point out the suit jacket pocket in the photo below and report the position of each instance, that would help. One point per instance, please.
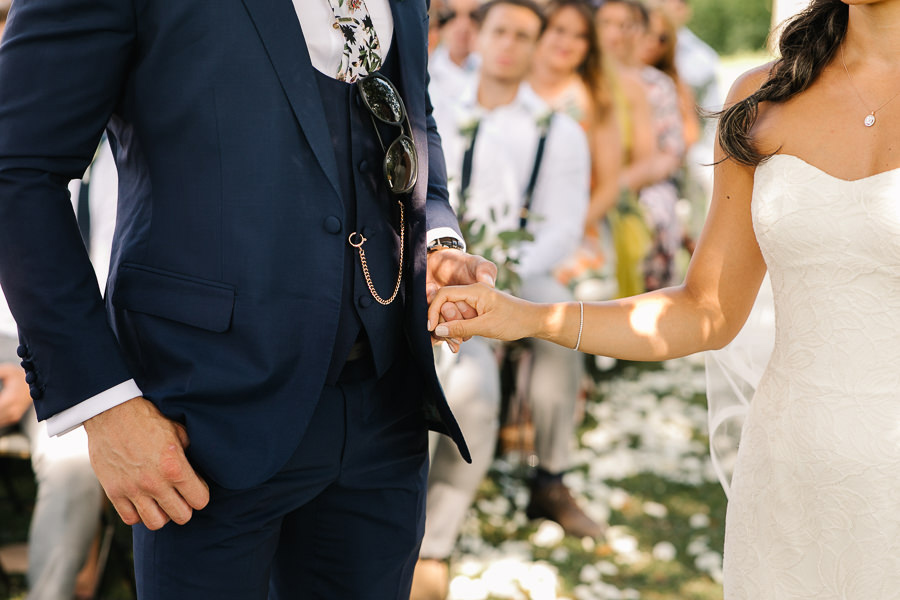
(189, 300)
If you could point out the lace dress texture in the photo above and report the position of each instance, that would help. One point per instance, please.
(814, 511)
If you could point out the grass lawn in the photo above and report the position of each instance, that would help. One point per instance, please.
(642, 466)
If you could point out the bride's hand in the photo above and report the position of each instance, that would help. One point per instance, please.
(500, 315)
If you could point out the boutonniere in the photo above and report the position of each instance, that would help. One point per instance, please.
(543, 122)
(467, 127)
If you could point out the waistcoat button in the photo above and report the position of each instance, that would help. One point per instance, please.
(332, 224)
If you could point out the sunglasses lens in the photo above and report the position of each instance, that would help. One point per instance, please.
(381, 99)
(401, 166)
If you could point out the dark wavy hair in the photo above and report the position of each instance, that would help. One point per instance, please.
(808, 43)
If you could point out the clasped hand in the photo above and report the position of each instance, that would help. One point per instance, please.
(496, 314)
(453, 268)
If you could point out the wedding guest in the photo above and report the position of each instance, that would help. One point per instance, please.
(454, 63)
(698, 66)
(696, 61)
(642, 162)
(571, 75)
(659, 196)
(657, 49)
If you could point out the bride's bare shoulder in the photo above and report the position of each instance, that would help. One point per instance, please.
(745, 86)
(748, 83)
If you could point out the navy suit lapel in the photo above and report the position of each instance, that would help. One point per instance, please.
(277, 25)
(410, 39)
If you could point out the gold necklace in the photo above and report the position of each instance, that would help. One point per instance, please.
(870, 118)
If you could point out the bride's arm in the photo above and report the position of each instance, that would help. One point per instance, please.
(705, 312)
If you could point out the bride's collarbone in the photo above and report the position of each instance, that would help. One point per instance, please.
(827, 139)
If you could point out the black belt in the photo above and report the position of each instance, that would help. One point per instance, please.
(358, 365)
(359, 349)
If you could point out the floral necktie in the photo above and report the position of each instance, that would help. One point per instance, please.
(361, 49)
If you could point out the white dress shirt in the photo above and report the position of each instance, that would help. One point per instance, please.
(450, 81)
(326, 46)
(503, 159)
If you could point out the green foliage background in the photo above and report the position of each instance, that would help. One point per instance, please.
(732, 26)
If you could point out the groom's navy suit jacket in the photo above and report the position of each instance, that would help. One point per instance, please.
(225, 284)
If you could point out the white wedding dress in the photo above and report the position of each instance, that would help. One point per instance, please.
(814, 509)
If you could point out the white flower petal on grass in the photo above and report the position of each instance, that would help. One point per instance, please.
(548, 534)
(699, 521)
(463, 588)
(618, 498)
(604, 363)
(496, 506)
(560, 555)
(469, 567)
(518, 550)
(621, 541)
(589, 574)
(503, 578)
(710, 562)
(606, 591)
(655, 510)
(597, 511)
(604, 567)
(541, 581)
(698, 546)
(584, 592)
(664, 551)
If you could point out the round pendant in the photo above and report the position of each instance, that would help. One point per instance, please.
(870, 120)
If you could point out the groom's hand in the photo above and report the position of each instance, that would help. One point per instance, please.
(455, 267)
(138, 456)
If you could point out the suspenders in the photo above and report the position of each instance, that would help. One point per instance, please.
(466, 177)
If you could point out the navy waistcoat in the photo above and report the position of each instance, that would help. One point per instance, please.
(371, 210)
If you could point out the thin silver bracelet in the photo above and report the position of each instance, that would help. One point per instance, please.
(580, 326)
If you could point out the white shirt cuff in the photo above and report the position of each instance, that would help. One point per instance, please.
(440, 232)
(73, 417)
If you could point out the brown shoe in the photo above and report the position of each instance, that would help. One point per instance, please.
(554, 501)
(431, 580)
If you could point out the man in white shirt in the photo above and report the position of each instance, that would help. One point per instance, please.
(66, 513)
(454, 64)
(507, 120)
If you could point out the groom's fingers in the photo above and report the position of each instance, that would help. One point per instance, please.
(454, 311)
(466, 311)
(452, 296)
(486, 273)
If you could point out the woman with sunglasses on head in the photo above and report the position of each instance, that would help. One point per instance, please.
(658, 50)
(806, 186)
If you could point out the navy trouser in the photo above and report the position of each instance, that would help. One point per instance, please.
(342, 520)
